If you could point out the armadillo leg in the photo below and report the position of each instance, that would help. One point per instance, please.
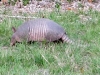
(30, 42)
(58, 41)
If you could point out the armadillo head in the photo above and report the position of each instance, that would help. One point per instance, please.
(14, 37)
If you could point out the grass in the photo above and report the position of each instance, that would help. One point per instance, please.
(53, 59)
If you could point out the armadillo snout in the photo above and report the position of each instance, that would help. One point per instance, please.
(11, 44)
(12, 41)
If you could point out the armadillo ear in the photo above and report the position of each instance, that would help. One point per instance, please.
(14, 29)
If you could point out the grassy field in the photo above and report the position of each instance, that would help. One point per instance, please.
(53, 59)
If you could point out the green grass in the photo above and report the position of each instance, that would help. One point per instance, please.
(53, 59)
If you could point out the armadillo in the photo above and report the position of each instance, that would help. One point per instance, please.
(40, 29)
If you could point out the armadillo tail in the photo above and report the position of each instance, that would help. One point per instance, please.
(78, 44)
(67, 40)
